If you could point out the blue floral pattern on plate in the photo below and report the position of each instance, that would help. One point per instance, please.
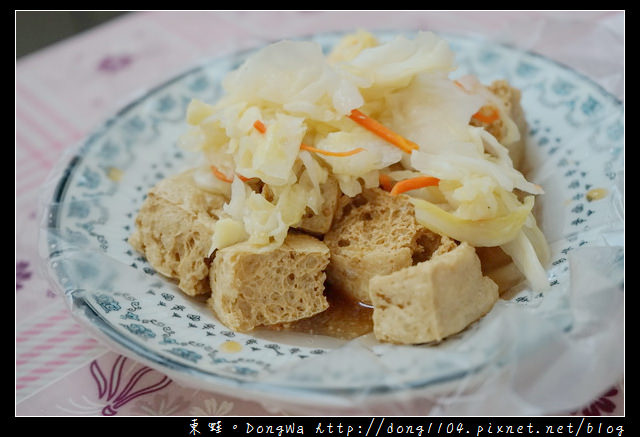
(575, 144)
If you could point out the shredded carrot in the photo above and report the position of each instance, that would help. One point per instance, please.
(259, 126)
(385, 182)
(223, 177)
(459, 85)
(485, 117)
(413, 184)
(217, 173)
(303, 146)
(383, 131)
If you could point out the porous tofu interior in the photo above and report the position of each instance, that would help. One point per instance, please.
(173, 230)
(252, 288)
(376, 234)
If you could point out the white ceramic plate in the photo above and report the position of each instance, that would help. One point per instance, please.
(575, 144)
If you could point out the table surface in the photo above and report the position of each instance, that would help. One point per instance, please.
(64, 91)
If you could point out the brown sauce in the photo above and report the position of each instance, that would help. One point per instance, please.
(344, 319)
(492, 258)
(499, 266)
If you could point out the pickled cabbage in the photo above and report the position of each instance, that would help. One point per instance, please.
(291, 94)
(488, 232)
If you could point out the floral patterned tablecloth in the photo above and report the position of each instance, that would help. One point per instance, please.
(66, 90)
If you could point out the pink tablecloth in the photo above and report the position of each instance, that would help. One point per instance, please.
(66, 90)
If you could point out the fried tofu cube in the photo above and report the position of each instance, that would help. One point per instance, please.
(251, 287)
(432, 299)
(173, 231)
(375, 233)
